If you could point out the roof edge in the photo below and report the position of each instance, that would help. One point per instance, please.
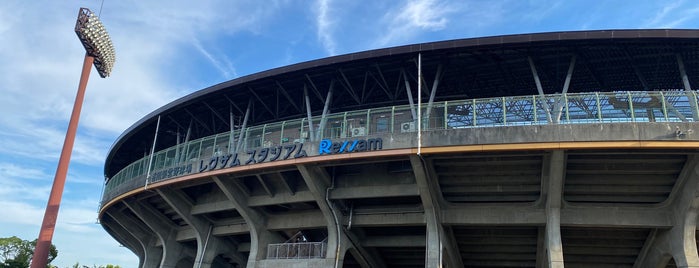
(405, 49)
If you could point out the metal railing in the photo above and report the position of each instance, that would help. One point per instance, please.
(300, 250)
(572, 108)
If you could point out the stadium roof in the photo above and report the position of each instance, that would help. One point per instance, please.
(606, 60)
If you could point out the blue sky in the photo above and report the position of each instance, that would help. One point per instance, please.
(167, 49)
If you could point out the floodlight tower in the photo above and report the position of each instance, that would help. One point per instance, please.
(100, 53)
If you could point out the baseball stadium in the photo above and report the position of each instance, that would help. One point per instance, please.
(561, 149)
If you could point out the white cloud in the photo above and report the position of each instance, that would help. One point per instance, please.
(415, 17)
(79, 227)
(661, 17)
(41, 69)
(32, 186)
(540, 10)
(11, 170)
(680, 18)
(20, 213)
(325, 26)
(223, 64)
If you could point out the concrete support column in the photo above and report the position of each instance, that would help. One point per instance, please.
(554, 177)
(208, 246)
(437, 239)
(214, 247)
(260, 237)
(679, 242)
(452, 249)
(152, 253)
(554, 246)
(367, 258)
(319, 182)
(541, 256)
(340, 240)
(164, 229)
(126, 238)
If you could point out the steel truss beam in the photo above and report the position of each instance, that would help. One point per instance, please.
(216, 113)
(348, 86)
(262, 102)
(314, 88)
(288, 97)
(381, 81)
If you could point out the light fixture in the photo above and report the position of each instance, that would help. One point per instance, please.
(96, 41)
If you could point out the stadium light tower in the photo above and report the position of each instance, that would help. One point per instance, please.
(99, 52)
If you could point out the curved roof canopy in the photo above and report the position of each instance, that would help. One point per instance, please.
(470, 68)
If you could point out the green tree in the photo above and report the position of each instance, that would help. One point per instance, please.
(17, 253)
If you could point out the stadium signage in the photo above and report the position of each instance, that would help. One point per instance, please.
(170, 172)
(349, 146)
(269, 154)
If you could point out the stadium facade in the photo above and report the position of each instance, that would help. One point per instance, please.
(574, 149)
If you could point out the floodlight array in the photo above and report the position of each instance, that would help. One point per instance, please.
(96, 41)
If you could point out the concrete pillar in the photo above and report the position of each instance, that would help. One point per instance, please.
(208, 246)
(554, 178)
(541, 259)
(678, 242)
(260, 237)
(164, 229)
(153, 256)
(212, 249)
(152, 253)
(367, 258)
(453, 255)
(318, 182)
(339, 240)
(125, 238)
(437, 239)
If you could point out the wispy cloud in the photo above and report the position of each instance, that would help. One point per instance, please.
(14, 212)
(16, 191)
(672, 14)
(541, 10)
(222, 63)
(11, 170)
(413, 18)
(325, 26)
(661, 18)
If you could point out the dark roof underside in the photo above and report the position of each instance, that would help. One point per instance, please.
(472, 68)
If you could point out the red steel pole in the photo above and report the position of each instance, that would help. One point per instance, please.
(43, 244)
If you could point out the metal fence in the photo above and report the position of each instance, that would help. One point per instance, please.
(301, 250)
(572, 108)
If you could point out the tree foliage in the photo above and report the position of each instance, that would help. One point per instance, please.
(17, 253)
